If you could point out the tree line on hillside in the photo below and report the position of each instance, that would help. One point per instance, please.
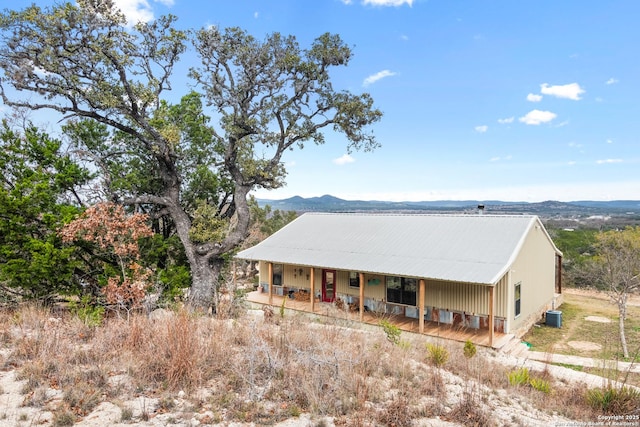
(126, 143)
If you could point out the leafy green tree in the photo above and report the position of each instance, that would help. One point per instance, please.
(617, 267)
(578, 247)
(39, 193)
(268, 96)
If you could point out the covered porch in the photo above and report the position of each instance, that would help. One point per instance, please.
(483, 337)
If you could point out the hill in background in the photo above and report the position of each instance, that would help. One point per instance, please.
(328, 203)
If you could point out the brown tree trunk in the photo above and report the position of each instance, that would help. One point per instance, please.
(206, 260)
(205, 278)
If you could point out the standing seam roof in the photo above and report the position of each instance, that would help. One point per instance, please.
(461, 248)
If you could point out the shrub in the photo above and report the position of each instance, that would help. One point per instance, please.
(282, 306)
(469, 349)
(391, 331)
(519, 377)
(397, 412)
(437, 354)
(126, 414)
(522, 377)
(623, 400)
(63, 418)
(540, 385)
(82, 399)
(470, 412)
(89, 314)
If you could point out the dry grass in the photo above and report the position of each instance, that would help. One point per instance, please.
(256, 370)
(575, 328)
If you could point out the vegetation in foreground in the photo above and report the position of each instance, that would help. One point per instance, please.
(265, 371)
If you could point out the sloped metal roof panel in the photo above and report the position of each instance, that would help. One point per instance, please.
(461, 248)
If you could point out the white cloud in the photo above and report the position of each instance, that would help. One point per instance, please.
(387, 2)
(568, 91)
(256, 15)
(346, 1)
(611, 81)
(562, 124)
(498, 158)
(574, 144)
(135, 10)
(344, 159)
(532, 97)
(609, 141)
(138, 10)
(536, 117)
(481, 129)
(608, 161)
(507, 120)
(377, 76)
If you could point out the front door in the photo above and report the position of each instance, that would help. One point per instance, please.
(328, 285)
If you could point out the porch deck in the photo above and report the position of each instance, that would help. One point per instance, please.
(408, 324)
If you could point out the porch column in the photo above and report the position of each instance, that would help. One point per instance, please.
(361, 308)
(312, 288)
(421, 306)
(491, 316)
(270, 283)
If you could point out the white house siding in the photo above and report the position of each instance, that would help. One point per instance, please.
(534, 268)
(503, 304)
(464, 297)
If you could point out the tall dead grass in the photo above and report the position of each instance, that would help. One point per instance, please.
(258, 370)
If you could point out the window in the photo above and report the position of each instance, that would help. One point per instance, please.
(518, 294)
(401, 290)
(276, 277)
(354, 279)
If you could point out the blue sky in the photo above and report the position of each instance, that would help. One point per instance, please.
(509, 100)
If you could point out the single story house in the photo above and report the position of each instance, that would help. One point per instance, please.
(472, 270)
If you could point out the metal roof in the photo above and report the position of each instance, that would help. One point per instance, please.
(461, 248)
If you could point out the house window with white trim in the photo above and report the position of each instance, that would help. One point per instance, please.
(518, 295)
(401, 290)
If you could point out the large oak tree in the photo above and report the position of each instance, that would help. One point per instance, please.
(267, 96)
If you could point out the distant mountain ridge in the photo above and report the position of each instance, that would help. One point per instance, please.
(328, 203)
